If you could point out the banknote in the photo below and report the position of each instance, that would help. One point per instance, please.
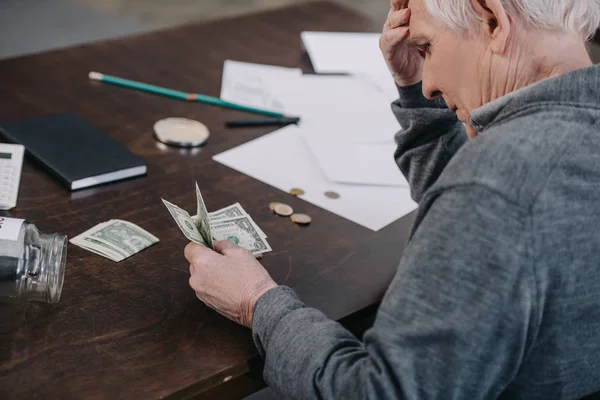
(185, 223)
(115, 239)
(241, 231)
(233, 211)
(95, 246)
(98, 248)
(202, 220)
(230, 223)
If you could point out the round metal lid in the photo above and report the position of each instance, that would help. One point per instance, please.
(181, 132)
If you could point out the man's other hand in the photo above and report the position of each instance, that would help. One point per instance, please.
(228, 280)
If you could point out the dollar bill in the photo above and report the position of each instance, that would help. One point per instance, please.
(230, 223)
(128, 238)
(233, 211)
(202, 220)
(185, 223)
(115, 239)
(241, 231)
(105, 249)
(98, 248)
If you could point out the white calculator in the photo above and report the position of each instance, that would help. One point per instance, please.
(11, 163)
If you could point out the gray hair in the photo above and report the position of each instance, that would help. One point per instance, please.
(580, 17)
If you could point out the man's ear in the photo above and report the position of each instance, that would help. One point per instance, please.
(496, 22)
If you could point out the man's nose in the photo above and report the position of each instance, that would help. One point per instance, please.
(430, 89)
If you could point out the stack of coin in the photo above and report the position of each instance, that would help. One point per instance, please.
(285, 210)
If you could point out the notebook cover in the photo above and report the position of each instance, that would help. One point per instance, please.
(70, 148)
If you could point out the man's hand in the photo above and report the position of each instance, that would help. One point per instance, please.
(230, 280)
(405, 63)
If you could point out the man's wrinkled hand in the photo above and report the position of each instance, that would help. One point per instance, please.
(228, 280)
(405, 63)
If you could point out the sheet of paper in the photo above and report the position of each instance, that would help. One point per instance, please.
(338, 115)
(251, 84)
(339, 108)
(283, 160)
(350, 53)
(384, 83)
(343, 52)
(348, 126)
(367, 164)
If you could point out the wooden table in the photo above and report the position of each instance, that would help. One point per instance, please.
(135, 329)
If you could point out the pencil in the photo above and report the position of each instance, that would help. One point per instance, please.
(200, 98)
(262, 122)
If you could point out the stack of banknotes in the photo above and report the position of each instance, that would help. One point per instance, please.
(115, 239)
(230, 223)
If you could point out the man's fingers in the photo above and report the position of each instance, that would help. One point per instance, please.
(386, 24)
(392, 37)
(194, 252)
(399, 18)
(227, 248)
(398, 4)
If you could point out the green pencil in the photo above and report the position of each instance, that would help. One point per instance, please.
(200, 98)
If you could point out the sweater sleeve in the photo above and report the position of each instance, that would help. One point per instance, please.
(431, 134)
(454, 324)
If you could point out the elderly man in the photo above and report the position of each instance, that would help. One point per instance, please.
(498, 292)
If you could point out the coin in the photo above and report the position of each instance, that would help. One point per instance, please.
(332, 195)
(181, 132)
(296, 192)
(283, 210)
(273, 205)
(301, 219)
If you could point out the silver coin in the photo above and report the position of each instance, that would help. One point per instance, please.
(181, 132)
(301, 219)
(332, 195)
(283, 210)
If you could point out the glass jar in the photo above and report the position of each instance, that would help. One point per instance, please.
(32, 264)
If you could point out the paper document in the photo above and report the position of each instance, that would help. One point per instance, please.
(340, 108)
(348, 126)
(268, 160)
(251, 84)
(350, 53)
(339, 114)
(384, 82)
(341, 52)
(368, 164)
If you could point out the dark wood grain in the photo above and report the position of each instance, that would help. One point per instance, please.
(135, 329)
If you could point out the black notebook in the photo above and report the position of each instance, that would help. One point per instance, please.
(77, 153)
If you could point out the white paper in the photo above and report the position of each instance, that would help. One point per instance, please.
(250, 84)
(350, 53)
(367, 164)
(338, 115)
(384, 83)
(282, 159)
(348, 126)
(343, 52)
(10, 228)
(339, 108)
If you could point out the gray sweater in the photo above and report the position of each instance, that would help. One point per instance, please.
(497, 294)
